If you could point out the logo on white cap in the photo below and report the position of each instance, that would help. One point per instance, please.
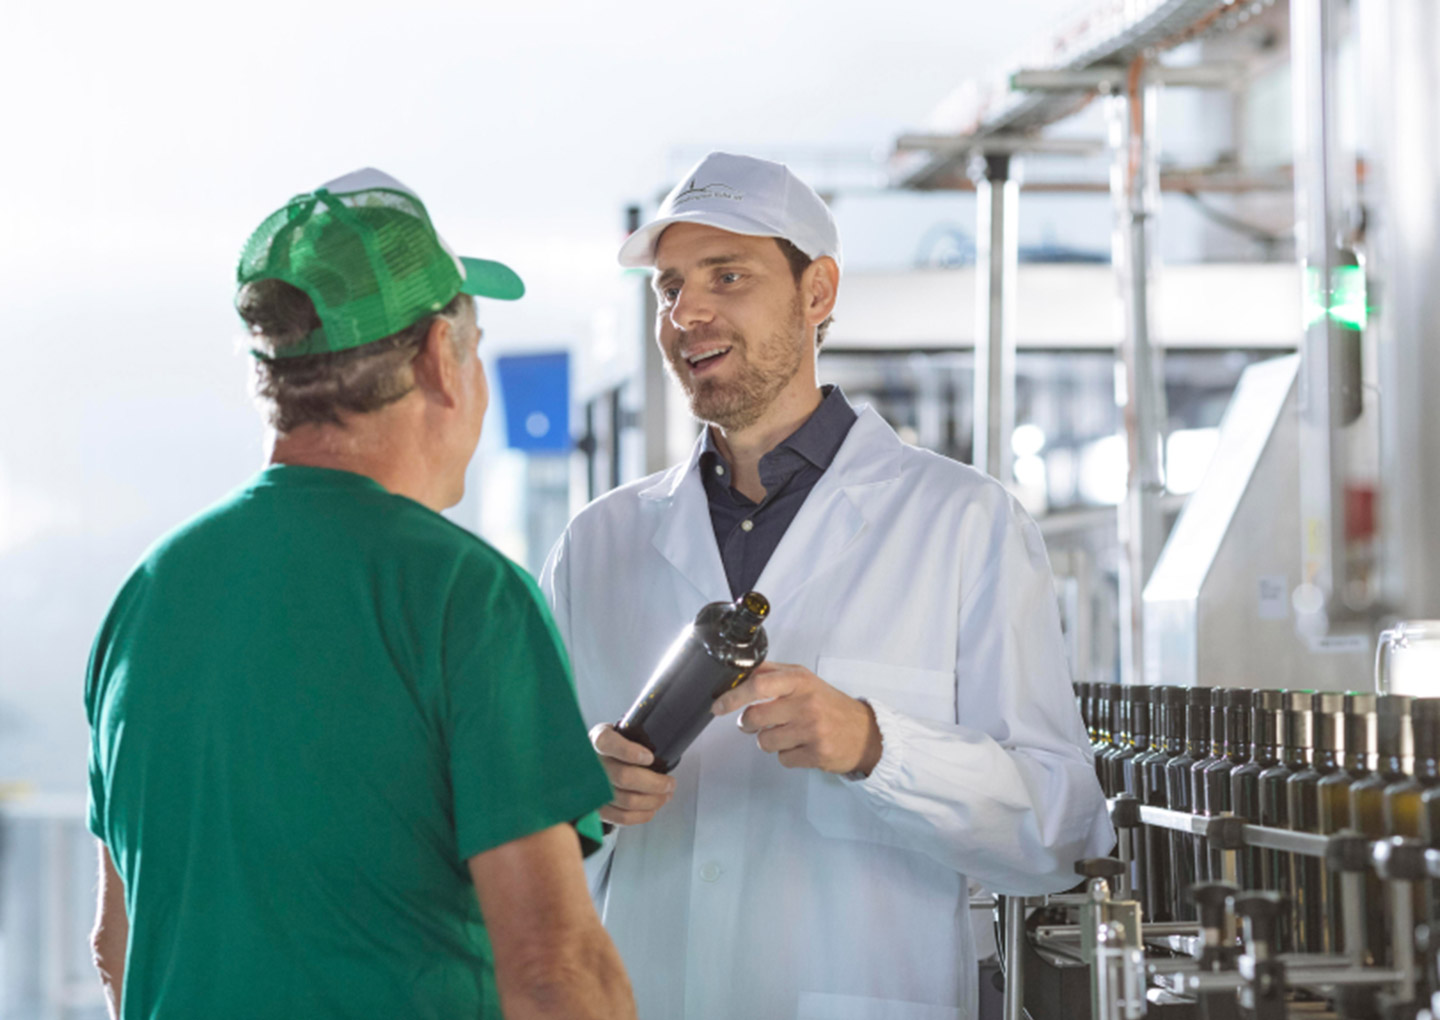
(694, 194)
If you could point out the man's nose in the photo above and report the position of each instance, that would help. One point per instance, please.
(691, 308)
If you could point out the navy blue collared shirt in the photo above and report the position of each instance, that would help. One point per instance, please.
(748, 532)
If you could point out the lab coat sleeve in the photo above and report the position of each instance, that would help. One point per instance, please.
(555, 585)
(1007, 794)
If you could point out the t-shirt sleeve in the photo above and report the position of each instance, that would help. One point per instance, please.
(520, 759)
(94, 689)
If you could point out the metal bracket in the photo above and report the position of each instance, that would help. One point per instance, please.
(1113, 78)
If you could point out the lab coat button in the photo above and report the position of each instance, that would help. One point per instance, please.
(710, 871)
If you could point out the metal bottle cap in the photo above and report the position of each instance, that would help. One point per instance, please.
(1299, 720)
(1174, 698)
(1361, 739)
(1140, 712)
(1329, 721)
(1267, 706)
(1197, 717)
(1425, 717)
(1393, 734)
(1237, 719)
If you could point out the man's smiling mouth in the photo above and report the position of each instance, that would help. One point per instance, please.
(699, 359)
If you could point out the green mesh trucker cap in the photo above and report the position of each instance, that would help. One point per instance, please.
(362, 248)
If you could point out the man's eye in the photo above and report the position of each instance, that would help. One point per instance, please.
(669, 294)
(729, 277)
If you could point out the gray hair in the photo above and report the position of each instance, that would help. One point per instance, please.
(315, 389)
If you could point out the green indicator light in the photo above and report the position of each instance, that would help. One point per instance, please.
(1348, 307)
(1347, 297)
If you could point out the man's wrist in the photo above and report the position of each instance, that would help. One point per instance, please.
(873, 748)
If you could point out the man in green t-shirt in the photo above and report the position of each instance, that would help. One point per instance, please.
(320, 789)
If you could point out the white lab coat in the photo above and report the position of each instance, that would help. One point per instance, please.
(764, 893)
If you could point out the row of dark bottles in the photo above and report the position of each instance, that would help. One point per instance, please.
(1302, 760)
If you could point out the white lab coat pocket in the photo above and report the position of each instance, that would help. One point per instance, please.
(836, 811)
(815, 1006)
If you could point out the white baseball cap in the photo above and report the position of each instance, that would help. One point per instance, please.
(743, 195)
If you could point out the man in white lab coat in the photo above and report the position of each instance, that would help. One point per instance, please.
(914, 728)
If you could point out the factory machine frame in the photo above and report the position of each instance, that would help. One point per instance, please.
(1212, 976)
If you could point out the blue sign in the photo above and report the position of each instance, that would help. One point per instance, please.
(535, 389)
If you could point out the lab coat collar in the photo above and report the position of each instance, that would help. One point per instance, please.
(832, 516)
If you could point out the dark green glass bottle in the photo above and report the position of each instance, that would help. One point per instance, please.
(1102, 741)
(1236, 745)
(1312, 934)
(1296, 745)
(1119, 737)
(1268, 706)
(1137, 742)
(1197, 780)
(712, 655)
(1169, 717)
(1394, 758)
(1403, 799)
(1357, 762)
(1082, 699)
(1178, 791)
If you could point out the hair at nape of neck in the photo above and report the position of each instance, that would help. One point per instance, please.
(317, 389)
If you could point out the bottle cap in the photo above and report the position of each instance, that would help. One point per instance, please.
(1268, 705)
(1394, 736)
(1299, 720)
(1197, 716)
(1140, 712)
(1360, 723)
(1329, 721)
(1237, 719)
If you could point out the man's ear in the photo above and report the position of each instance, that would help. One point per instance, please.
(819, 286)
(437, 373)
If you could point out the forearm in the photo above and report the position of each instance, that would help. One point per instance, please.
(1016, 819)
(107, 947)
(111, 934)
(584, 980)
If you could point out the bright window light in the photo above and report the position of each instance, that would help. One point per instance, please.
(1027, 441)
(1103, 470)
(1187, 458)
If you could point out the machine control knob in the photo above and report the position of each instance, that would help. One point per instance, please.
(1260, 912)
(1211, 898)
(1100, 867)
(1400, 859)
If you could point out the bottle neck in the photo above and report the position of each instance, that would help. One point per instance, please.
(1359, 761)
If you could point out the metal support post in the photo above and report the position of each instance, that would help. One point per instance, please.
(1336, 586)
(1402, 937)
(996, 255)
(1399, 40)
(1140, 390)
(1014, 958)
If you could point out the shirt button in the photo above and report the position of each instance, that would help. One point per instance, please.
(746, 525)
(710, 871)
(719, 469)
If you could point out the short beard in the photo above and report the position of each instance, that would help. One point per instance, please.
(741, 402)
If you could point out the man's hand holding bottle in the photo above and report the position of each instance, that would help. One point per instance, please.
(639, 791)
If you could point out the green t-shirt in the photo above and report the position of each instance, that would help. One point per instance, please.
(308, 707)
